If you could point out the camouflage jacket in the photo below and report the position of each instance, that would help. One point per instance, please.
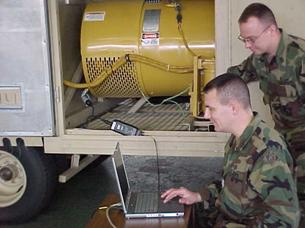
(259, 189)
(282, 81)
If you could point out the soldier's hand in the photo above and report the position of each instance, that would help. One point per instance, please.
(186, 196)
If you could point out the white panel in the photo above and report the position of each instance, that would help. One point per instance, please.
(25, 85)
(222, 34)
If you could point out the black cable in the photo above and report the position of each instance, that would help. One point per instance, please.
(179, 18)
(158, 169)
(108, 122)
(89, 118)
(92, 109)
(179, 15)
(92, 117)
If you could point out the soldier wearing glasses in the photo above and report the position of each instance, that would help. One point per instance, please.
(278, 62)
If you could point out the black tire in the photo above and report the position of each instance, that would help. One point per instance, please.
(41, 181)
(62, 162)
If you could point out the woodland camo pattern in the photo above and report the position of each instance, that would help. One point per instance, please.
(283, 84)
(259, 188)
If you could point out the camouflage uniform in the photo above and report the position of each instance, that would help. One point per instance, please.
(283, 84)
(259, 189)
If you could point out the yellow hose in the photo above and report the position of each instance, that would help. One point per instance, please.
(123, 60)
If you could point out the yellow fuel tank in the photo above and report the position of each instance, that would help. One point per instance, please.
(112, 28)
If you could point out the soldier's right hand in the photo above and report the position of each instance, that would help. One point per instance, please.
(186, 196)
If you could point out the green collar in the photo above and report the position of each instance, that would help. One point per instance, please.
(281, 51)
(243, 140)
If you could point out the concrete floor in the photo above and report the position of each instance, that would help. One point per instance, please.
(76, 201)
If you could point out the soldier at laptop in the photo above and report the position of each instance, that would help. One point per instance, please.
(258, 187)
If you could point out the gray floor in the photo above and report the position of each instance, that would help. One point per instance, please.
(75, 202)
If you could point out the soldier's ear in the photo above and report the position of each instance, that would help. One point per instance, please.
(235, 107)
(273, 28)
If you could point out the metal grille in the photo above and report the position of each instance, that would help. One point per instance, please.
(152, 1)
(167, 117)
(121, 83)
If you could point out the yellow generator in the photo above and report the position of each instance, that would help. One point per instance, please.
(146, 48)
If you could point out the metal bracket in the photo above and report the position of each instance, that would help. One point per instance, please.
(203, 73)
(195, 93)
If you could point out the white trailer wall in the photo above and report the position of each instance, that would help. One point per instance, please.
(25, 84)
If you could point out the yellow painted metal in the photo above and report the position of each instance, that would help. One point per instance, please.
(113, 28)
(203, 72)
(195, 92)
(208, 74)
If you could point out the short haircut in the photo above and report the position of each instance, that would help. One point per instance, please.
(230, 87)
(262, 12)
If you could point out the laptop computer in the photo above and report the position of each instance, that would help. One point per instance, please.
(141, 204)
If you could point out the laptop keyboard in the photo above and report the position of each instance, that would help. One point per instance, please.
(147, 202)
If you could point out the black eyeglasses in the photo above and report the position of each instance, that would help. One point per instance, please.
(252, 39)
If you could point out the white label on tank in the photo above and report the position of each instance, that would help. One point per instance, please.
(150, 39)
(95, 16)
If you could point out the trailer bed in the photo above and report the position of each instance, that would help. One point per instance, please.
(165, 117)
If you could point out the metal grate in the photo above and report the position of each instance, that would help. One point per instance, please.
(152, 1)
(167, 117)
(121, 83)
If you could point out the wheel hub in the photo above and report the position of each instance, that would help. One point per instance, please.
(12, 179)
(6, 174)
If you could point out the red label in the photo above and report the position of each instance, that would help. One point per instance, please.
(154, 35)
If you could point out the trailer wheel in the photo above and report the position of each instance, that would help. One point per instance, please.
(27, 182)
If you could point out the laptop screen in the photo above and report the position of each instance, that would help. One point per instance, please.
(168, 209)
(121, 172)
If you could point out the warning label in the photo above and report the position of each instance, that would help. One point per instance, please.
(150, 39)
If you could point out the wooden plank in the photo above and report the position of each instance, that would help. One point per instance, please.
(136, 145)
